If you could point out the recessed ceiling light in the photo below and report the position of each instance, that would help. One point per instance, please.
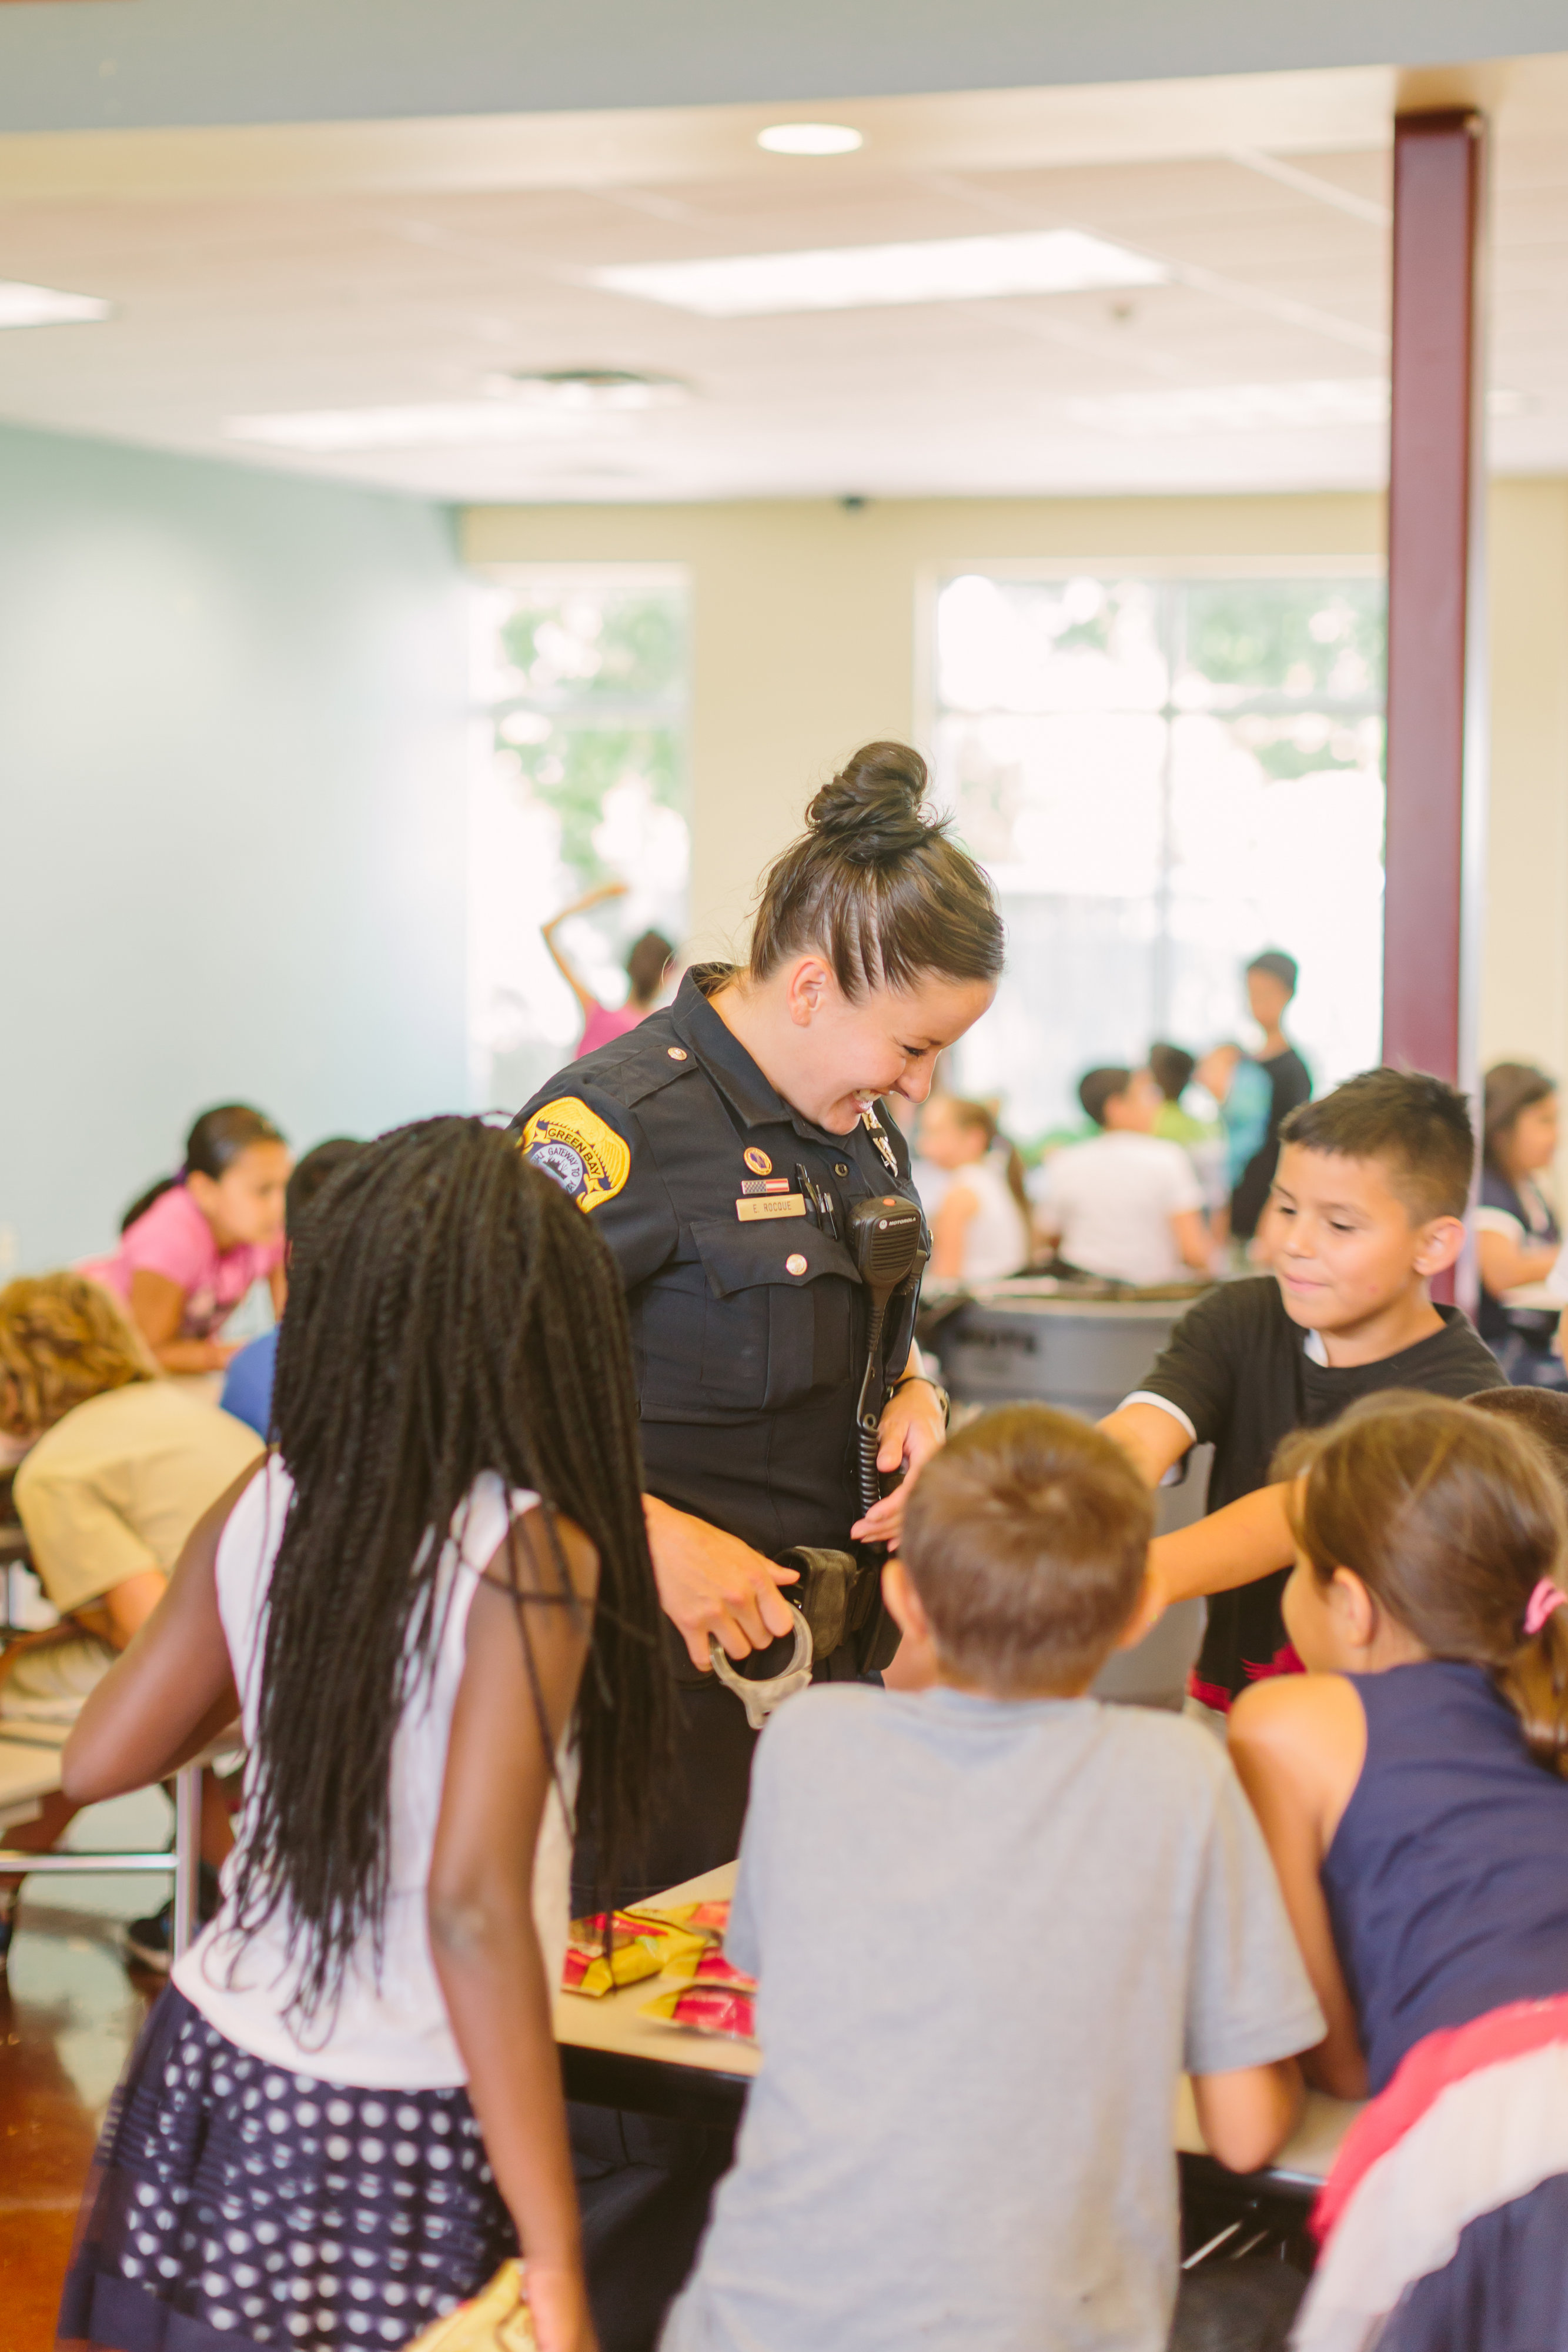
(589, 389)
(46, 306)
(862, 276)
(438, 425)
(1238, 407)
(809, 139)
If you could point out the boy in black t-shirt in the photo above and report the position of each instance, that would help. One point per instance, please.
(1367, 1208)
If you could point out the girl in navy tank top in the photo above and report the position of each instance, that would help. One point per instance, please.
(1412, 1788)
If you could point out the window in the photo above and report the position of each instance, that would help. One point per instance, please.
(1163, 776)
(579, 777)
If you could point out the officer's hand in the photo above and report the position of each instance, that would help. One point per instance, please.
(710, 1582)
(913, 1427)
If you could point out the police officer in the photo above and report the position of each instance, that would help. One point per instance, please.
(720, 1149)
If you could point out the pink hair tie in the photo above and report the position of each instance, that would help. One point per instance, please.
(1545, 1598)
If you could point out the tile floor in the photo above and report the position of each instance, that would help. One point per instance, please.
(68, 2014)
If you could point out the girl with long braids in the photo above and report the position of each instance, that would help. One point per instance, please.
(434, 1607)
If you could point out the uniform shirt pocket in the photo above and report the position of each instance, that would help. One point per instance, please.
(780, 1311)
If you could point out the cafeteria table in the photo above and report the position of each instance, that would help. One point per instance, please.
(614, 2056)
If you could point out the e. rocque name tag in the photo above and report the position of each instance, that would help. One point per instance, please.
(774, 1204)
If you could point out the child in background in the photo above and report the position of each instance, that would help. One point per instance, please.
(991, 1922)
(248, 1389)
(1410, 1786)
(1517, 1236)
(1367, 1207)
(1125, 1205)
(1172, 1068)
(191, 1247)
(121, 1466)
(1271, 985)
(647, 962)
(981, 1232)
(295, 2154)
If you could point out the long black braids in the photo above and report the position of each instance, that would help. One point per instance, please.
(450, 1311)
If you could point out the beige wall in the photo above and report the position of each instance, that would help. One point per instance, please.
(805, 622)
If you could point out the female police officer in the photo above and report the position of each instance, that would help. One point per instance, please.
(720, 1148)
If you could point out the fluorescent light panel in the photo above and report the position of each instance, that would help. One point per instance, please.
(45, 306)
(438, 425)
(809, 139)
(867, 277)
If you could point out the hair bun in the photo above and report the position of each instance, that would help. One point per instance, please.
(875, 809)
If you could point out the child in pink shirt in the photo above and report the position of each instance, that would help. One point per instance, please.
(647, 962)
(191, 1248)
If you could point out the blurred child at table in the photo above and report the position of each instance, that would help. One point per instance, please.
(248, 1387)
(1173, 1070)
(191, 1247)
(121, 1466)
(648, 961)
(992, 1921)
(1410, 1786)
(1125, 1205)
(981, 1231)
(1270, 980)
(1518, 1239)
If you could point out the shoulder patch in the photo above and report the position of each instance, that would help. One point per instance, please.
(574, 1145)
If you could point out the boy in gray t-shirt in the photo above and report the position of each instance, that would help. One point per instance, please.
(993, 1922)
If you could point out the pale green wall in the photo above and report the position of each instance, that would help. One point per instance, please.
(231, 817)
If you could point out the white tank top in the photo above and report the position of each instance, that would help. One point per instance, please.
(996, 1239)
(390, 2027)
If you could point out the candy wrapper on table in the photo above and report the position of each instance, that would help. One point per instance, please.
(708, 2009)
(709, 1967)
(707, 1920)
(638, 1947)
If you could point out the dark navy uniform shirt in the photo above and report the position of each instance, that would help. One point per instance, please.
(748, 1332)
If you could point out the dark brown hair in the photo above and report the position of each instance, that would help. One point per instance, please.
(1171, 1068)
(647, 962)
(1097, 1089)
(1450, 1518)
(877, 885)
(1509, 1088)
(1543, 1412)
(214, 1144)
(1026, 1540)
(1416, 1126)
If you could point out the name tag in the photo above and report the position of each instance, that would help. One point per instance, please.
(775, 1204)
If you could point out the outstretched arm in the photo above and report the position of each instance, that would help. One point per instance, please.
(172, 1691)
(595, 897)
(484, 1940)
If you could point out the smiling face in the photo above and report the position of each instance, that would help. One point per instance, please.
(244, 1204)
(1344, 1246)
(830, 1058)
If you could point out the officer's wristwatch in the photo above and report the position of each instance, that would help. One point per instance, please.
(942, 1399)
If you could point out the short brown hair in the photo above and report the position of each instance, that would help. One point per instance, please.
(1026, 1540)
(1416, 1126)
(1450, 1518)
(1543, 1412)
(62, 1339)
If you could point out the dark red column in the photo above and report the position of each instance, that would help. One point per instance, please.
(1437, 780)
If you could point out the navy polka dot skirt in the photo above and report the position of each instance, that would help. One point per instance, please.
(233, 2205)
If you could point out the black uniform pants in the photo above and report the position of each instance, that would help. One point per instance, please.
(645, 2185)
